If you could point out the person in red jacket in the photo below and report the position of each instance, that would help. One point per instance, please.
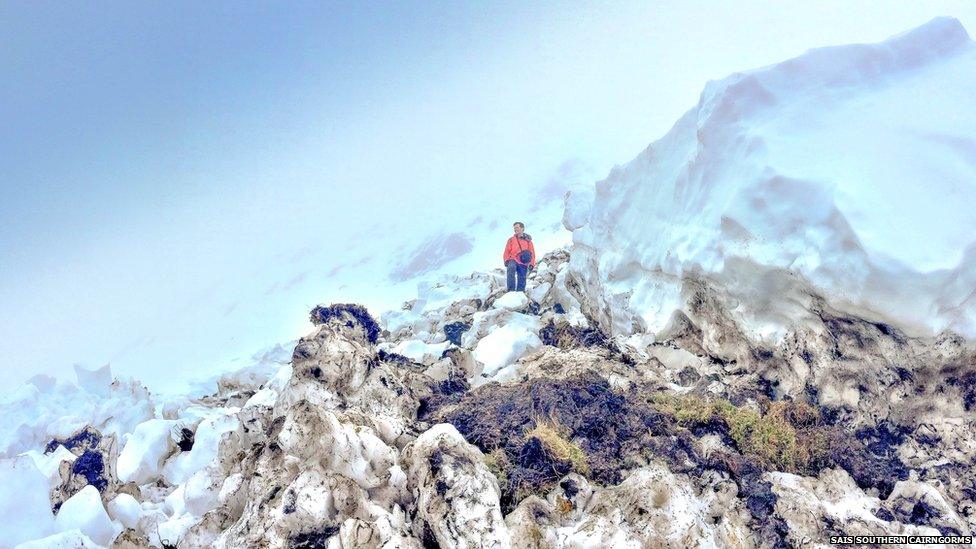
(519, 257)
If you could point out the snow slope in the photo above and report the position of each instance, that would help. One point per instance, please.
(852, 167)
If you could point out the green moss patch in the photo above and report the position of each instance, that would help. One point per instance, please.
(783, 436)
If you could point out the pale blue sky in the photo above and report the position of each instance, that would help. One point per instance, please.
(154, 155)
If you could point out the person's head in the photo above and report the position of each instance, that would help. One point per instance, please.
(518, 227)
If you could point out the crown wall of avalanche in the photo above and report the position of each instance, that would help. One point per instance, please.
(851, 169)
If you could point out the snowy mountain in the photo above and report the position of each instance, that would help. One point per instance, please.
(848, 167)
(740, 348)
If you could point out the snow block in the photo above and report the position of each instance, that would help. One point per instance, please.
(85, 512)
(24, 503)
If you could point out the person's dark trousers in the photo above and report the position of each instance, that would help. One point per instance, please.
(516, 275)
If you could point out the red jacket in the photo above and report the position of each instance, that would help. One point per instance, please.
(514, 246)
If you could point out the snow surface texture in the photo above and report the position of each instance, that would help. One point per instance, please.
(853, 167)
(45, 408)
(24, 502)
(330, 447)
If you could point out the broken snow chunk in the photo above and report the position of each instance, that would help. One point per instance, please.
(85, 512)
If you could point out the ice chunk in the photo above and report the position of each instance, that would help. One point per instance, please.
(42, 409)
(49, 464)
(171, 531)
(183, 465)
(141, 457)
(24, 503)
(263, 397)
(513, 301)
(505, 344)
(73, 539)
(202, 490)
(125, 509)
(95, 381)
(85, 512)
(418, 351)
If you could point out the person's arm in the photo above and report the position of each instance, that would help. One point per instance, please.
(532, 250)
(505, 252)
